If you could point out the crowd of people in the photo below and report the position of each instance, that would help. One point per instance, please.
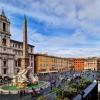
(33, 93)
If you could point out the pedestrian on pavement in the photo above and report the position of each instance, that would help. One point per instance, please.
(33, 95)
(41, 91)
(51, 86)
(24, 92)
(34, 91)
(21, 93)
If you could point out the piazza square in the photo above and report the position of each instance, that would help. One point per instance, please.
(37, 66)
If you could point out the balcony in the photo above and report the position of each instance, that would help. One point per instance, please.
(90, 93)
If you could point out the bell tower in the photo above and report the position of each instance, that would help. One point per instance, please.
(4, 30)
(6, 52)
(4, 23)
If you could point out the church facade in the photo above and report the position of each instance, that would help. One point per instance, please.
(11, 51)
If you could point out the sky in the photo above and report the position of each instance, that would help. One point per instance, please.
(69, 28)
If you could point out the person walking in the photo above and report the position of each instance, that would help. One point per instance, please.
(33, 95)
(21, 93)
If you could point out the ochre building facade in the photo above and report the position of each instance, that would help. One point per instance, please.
(44, 63)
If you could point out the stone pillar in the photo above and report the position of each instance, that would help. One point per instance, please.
(11, 67)
(25, 58)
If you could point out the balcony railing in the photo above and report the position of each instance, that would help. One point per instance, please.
(90, 93)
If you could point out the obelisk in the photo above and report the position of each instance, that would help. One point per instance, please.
(25, 57)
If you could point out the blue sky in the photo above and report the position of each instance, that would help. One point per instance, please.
(69, 28)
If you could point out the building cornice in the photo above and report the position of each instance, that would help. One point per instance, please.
(15, 41)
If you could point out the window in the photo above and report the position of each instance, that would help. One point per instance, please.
(19, 62)
(4, 42)
(18, 52)
(4, 63)
(18, 45)
(31, 64)
(4, 49)
(31, 57)
(13, 45)
(5, 71)
(4, 26)
(15, 63)
(31, 49)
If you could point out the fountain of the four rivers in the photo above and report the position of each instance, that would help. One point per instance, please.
(25, 79)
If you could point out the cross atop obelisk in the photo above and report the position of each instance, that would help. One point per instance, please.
(25, 58)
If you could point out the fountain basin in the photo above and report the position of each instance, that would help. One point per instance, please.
(5, 89)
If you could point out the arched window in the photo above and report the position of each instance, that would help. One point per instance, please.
(4, 42)
(4, 63)
(19, 62)
(5, 71)
(15, 63)
(4, 26)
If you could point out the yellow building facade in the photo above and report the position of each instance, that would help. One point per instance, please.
(92, 64)
(44, 63)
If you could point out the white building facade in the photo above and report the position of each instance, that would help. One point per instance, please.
(11, 50)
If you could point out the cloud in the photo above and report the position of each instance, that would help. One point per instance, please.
(77, 52)
(81, 16)
(53, 13)
(59, 46)
(90, 10)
